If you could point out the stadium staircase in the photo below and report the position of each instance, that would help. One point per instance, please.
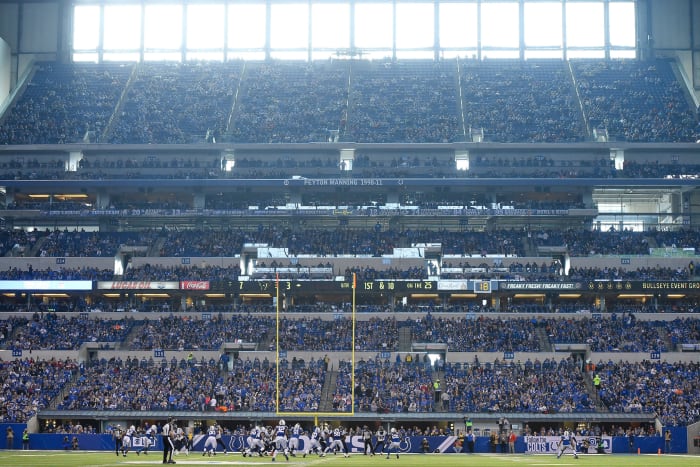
(327, 392)
(107, 131)
(543, 339)
(53, 404)
(129, 338)
(666, 336)
(34, 250)
(154, 249)
(529, 247)
(599, 405)
(405, 339)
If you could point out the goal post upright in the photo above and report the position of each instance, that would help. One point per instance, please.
(352, 352)
(315, 415)
(277, 343)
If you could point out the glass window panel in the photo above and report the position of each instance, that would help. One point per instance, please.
(414, 25)
(289, 55)
(87, 57)
(330, 26)
(458, 25)
(464, 53)
(246, 26)
(162, 56)
(121, 57)
(243, 55)
(383, 54)
(543, 24)
(622, 24)
(162, 27)
(572, 54)
(617, 53)
(205, 26)
(585, 26)
(205, 56)
(500, 25)
(500, 54)
(533, 54)
(373, 25)
(86, 27)
(122, 27)
(415, 54)
(289, 26)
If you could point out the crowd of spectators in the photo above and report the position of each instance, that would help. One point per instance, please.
(670, 391)
(634, 100)
(516, 101)
(621, 273)
(170, 102)
(482, 334)
(51, 331)
(81, 243)
(28, 385)
(63, 102)
(185, 333)
(611, 334)
(315, 93)
(372, 241)
(336, 335)
(152, 272)
(191, 385)
(411, 101)
(549, 386)
(407, 101)
(59, 274)
(382, 386)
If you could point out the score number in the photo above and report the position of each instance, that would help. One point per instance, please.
(482, 286)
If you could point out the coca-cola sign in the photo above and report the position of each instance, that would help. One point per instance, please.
(194, 285)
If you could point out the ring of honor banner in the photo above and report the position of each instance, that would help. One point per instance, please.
(550, 444)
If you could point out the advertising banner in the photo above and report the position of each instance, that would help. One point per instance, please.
(550, 444)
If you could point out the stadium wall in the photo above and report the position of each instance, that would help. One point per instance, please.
(335, 357)
(104, 442)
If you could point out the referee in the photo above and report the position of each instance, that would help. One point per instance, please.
(167, 443)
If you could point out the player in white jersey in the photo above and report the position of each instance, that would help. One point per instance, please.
(394, 443)
(567, 442)
(210, 443)
(314, 442)
(127, 442)
(255, 442)
(147, 439)
(294, 439)
(280, 440)
(336, 443)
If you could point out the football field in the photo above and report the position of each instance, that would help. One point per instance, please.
(106, 459)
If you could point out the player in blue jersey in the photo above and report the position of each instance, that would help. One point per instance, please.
(219, 440)
(394, 443)
(294, 439)
(381, 441)
(280, 440)
(567, 442)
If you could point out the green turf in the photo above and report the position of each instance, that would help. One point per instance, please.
(105, 459)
